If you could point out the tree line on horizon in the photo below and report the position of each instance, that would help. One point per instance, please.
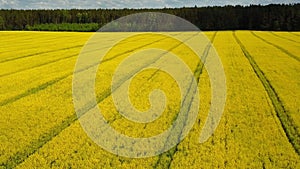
(274, 17)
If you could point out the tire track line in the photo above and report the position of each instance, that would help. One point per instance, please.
(286, 121)
(282, 37)
(197, 73)
(153, 75)
(56, 80)
(36, 37)
(46, 52)
(42, 43)
(39, 53)
(70, 120)
(293, 33)
(27, 42)
(11, 36)
(278, 47)
(35, 145)
(50, 62)
(44, 64)
(37, 66)
(32, 90)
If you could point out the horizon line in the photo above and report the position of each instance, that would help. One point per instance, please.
(149, 8)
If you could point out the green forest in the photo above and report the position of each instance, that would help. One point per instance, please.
(254, 17)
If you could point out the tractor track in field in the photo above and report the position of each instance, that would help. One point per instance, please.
(227, 128)
(109, 91)
(29, 38)
(32, 90)
(197, 73)
(35, 145)
(12, 37)
(47, 63)
(40, 53)
(293, 33)
(286, 121)
(153, 75)
(37, 66)
(282, 37)
(47, 52)
(56, 80)
(25, 43)
(278, 47)
(173, 151)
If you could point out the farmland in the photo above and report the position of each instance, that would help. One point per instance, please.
(259, 128)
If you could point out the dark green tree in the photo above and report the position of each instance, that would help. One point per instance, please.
(2, 23)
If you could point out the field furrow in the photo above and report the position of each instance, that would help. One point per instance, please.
(17, 66)
(25, 40)
(293, 33)
(290, 49)
(286, 36)
(282, 72)
(37, 66)
(248, 134)
(67, 121)
(33, 63)
(22, 43)
(36, 46)
(197, 73)
(39, 127)
(47, 44)
(38, 54)
(105, 105)
(51, 74)
(286, 121)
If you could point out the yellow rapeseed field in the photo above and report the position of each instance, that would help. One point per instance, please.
(260, 126)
